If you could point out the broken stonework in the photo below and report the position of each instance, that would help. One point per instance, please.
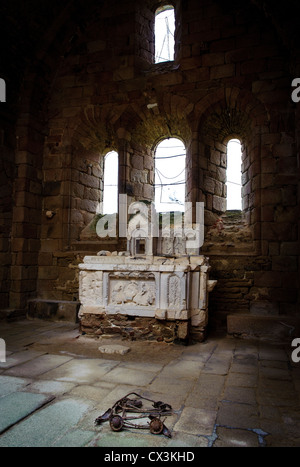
(114, 349)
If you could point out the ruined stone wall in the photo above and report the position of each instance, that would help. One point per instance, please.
(230, 78)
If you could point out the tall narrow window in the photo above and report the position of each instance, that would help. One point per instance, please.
(164, 34)
(234, 175)
(169, 182)
(110, 190)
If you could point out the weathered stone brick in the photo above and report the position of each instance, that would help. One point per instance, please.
(219, 204)
(213, 59)
(222, 71)
(137, 162)
(270, 196)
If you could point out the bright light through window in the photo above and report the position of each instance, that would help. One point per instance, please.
(164, 34)
(170, 176)
(234, 184)
(110, 191)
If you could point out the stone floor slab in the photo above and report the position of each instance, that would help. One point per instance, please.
(47, 426)
(90, 392)
(143, 366)
(189, 369)
(9, 384)
(196, 421)
(242, 380)
(228, 437)
(236, 415)
(129, 438)
(179, 388)
(128, 376)
(51, 387)
(81, 371)
(18, 405)
(38, 366)
(75, 439)
(182, 440)
(217, 365)
(16, 358)
(240, 395)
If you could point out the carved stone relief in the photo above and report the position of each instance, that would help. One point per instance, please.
(134, 292)
(174, 292)
(91, 287)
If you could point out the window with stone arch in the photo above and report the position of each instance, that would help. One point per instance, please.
(110, 185)
(234, 175)
(164, 33)
(170, 175)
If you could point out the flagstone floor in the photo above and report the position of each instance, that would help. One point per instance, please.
(224, 392)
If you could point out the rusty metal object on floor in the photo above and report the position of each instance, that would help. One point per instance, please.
(156, 426)
(118, 416)
(116, 423)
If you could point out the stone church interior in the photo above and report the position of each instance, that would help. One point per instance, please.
(82, 81)
(114, 110)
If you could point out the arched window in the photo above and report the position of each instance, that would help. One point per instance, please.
(164, 34)
(234, 175)
(110, 189)
(170, 175)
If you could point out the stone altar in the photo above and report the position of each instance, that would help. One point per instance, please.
(168, 291)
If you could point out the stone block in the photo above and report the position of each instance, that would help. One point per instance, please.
(219, 204)
(199, 318)
(51, 188)
(137, 162)
(53, 310)
(289, 249)
(264, 308)
(222, 71)
(221, 174)
(114, 349)
(209, 185)
(270, 196)
(96, 46)
(223, 45)
(48, 272)
(283, 150)
(267, 279)
(213, 59)
(148, 191)
(284, 263)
